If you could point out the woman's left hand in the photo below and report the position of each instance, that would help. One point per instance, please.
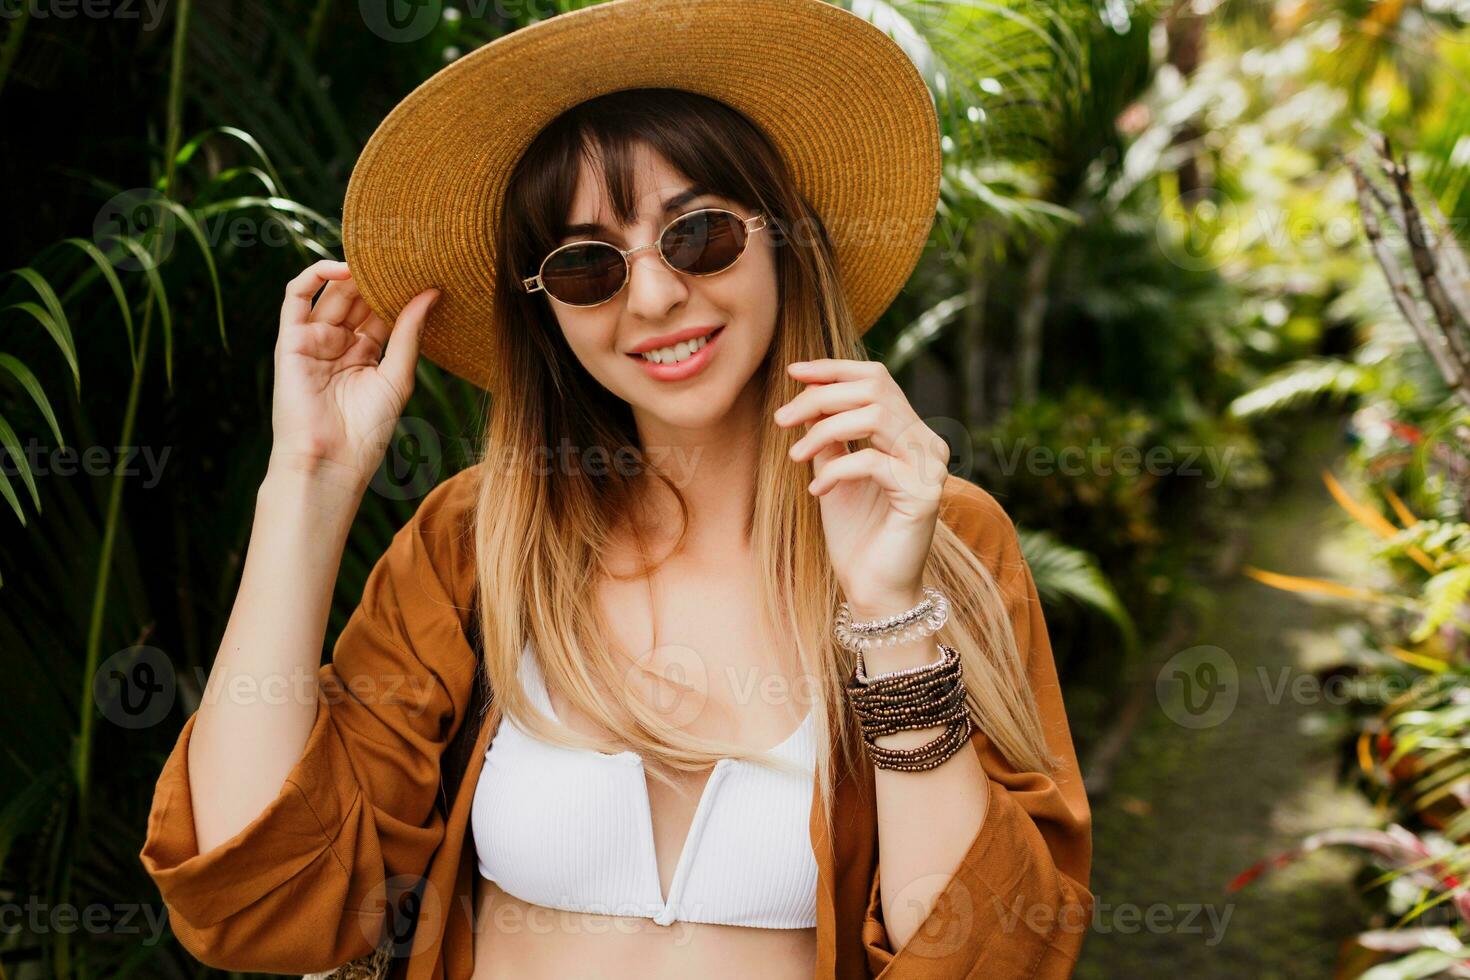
(879, 505)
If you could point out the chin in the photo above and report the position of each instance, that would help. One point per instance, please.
(692, 409)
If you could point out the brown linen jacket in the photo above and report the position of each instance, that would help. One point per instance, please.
(366, 811)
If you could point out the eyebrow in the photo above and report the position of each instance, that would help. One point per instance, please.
(677, 201)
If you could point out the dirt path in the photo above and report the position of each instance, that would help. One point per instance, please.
(1198, 798)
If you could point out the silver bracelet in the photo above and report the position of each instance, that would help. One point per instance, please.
(865, 678)
(922, 620)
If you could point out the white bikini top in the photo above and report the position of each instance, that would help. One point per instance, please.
(570, 828)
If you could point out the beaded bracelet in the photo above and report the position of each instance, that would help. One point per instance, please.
(866, 678)
(930, 696)
(922, 620)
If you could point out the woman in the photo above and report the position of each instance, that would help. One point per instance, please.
(589, 717)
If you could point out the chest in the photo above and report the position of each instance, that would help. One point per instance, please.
(625, 836)
(703, 653)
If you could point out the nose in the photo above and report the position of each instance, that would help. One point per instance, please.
(653, 288)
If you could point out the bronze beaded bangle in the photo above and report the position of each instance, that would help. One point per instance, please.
(927, 756)
(926, 698)
(935, 708)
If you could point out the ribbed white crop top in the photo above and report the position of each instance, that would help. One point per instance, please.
(571, 828)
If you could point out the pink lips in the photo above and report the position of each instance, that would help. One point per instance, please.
(670, 339)
(686, 368)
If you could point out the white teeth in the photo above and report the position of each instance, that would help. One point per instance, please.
(679, 352)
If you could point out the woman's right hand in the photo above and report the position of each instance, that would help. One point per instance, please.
(340, 384)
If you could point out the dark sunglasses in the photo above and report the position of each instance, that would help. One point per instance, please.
(699, 243)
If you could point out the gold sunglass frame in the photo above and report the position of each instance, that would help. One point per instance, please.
(752, 224)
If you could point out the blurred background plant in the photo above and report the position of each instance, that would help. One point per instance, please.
(1145, 273)
(1407, 666)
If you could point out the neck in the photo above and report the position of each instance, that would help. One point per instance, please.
(714, 468)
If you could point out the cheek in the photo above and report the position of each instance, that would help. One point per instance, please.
(586, 334)
(749, 289)
(761, 295)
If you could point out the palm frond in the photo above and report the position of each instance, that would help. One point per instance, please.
(1444, 596)
(1301, 382)
(1064, 573)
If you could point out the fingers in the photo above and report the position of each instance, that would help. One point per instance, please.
(373, 328)
(402, 355)
(820, 399)
(868, 422)
(313, 325)
(359, 312)
(836, 369)
(336, 302)
(847, 400)
(835, 384)
(865, 463)
(321, 341)
(300, 290)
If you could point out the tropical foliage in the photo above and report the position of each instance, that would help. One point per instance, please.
(1409, 663)
(1093, 277)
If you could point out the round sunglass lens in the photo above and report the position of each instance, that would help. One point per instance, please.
(585, 274)
(704, 242)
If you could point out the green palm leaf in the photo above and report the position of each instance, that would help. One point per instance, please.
(52, 317)
(104, 268)
(1444, 595)
(1062, 572)
(1302, 381)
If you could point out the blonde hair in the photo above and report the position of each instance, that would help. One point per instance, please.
(542, 533)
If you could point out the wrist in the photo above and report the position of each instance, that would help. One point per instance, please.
(316, 474)
(917, 653)
(879, 659)
(870, 606)
(327, 499)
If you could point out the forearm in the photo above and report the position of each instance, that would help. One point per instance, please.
(261, 699)
(927, 820)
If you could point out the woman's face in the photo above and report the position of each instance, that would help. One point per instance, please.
(735, 310)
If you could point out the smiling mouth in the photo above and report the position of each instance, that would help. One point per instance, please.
(677, 353)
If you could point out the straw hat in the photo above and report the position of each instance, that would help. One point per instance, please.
(837, 97)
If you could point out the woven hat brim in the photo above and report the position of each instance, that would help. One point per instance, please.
(842, 103)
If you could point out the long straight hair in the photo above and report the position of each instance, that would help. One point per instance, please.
(542, 531)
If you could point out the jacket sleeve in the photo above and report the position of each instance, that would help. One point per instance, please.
(304, 886)
(1018, 906)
